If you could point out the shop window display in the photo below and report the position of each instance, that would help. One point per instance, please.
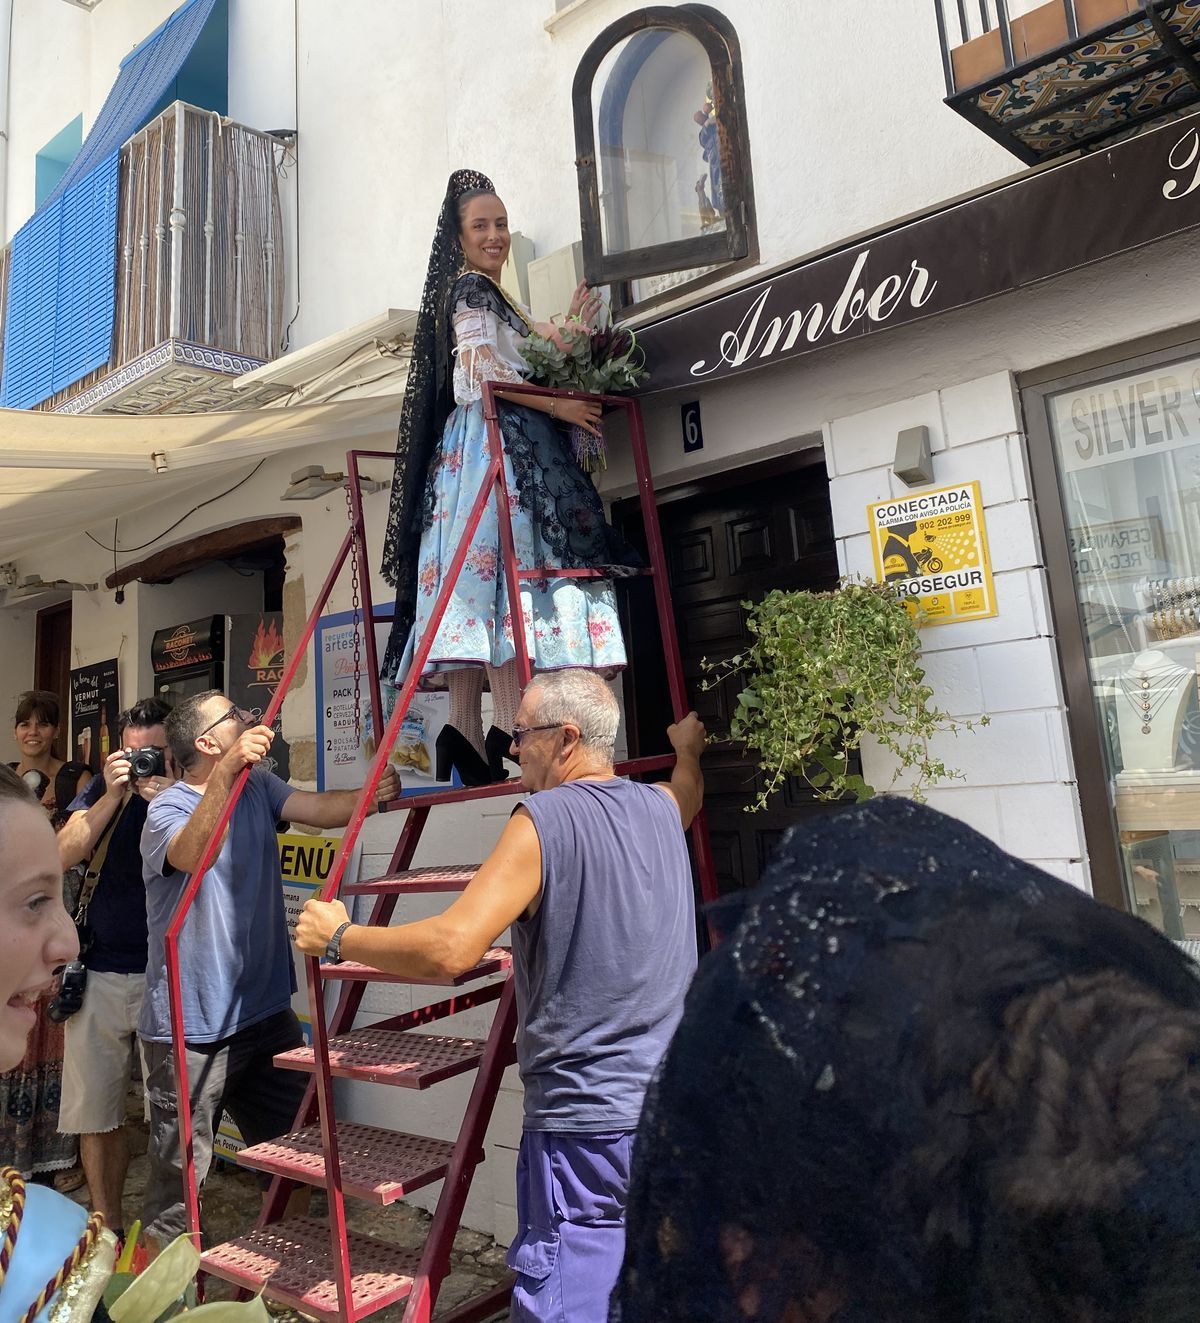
(1128, 455)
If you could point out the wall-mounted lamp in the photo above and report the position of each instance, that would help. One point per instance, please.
(312, 481)
(33, 585)
(913, 464)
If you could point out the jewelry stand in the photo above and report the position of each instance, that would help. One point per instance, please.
(1152, 696)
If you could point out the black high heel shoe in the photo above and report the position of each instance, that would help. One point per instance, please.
(498, 744)
(453, 751)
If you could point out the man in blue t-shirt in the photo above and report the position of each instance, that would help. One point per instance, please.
(105, 827)
(235, 964)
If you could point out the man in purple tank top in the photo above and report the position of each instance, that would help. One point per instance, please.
(592, 875)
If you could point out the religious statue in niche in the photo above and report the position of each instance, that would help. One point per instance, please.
(708, 187)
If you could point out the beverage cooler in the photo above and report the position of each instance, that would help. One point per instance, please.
(242, 655)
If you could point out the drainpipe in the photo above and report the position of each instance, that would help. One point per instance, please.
(6, 25)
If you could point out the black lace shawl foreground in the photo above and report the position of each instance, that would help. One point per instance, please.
(428, 400)
(921, 1081)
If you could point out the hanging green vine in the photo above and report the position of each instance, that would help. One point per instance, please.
(823, 672)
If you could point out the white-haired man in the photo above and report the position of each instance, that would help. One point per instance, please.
(592, 875)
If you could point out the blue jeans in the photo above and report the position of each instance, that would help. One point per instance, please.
(571, 1196)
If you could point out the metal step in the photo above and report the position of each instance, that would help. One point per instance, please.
(447, 877)
(293, 1262)
(495, 961)
(378, 1166)
(391, 1056)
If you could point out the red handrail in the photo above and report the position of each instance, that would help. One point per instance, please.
(355, 539)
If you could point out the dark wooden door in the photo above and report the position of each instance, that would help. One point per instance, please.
(52, 664)
(726, 544)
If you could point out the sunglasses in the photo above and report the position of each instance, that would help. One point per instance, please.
(239, 712)
(519, 732)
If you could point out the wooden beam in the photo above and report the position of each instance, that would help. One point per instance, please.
(224, 544)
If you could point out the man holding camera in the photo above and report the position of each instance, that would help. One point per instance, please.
(235, 955)
(101, 999)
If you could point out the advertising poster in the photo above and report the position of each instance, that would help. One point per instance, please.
(305, 862)
(94, 709)
(345, 735)
(254, 662)
(932, 547)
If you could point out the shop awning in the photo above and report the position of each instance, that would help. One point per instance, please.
(61, 474)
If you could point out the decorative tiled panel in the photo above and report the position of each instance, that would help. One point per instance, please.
(1109, 111)
(1098, 61)
(1099, 89)
(174, 377)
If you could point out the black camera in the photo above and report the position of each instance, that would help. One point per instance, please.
(72, 983)
(146, 762)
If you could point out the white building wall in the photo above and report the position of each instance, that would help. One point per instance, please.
(847, 131)
(1017, 783)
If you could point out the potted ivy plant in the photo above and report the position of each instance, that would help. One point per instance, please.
(826, 671)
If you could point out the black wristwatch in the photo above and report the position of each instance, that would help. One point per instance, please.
(333, 952)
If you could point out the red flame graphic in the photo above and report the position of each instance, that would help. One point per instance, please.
(267, 646)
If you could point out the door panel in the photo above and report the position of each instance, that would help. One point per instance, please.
(52, 664)
(727, 545)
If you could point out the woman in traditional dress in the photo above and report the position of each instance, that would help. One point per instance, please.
(470, 331)
(50, 1251)
(29, 1094)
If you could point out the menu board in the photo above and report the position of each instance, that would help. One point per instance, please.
(346, 736)
(94, 710)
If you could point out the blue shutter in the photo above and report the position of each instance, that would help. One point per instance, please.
(62, 291)
(147, 72)
(62, 286)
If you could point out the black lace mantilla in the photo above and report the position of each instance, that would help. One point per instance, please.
(477, 292)
(428, 401)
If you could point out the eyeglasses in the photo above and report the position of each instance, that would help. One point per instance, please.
(239, 712)
(519, 732)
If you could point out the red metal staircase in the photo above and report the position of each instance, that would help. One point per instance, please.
(321, 1268)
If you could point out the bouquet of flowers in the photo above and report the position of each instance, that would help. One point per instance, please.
(602, 360)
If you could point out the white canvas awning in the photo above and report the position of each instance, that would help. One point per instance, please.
(61, 474)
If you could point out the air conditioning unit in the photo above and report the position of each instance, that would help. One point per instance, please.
(552, 280)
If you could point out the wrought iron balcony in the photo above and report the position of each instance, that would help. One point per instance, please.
(1047, 79)
(200, 271)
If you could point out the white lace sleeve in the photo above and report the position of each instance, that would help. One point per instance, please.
(478, 356)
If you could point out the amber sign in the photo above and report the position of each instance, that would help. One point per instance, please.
(1019, 233)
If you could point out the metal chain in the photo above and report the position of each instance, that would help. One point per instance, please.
(356, 606)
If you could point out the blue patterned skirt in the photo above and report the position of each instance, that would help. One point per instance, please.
(557, 521)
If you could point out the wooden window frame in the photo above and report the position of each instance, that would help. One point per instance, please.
(1070, 638)
(737, 244)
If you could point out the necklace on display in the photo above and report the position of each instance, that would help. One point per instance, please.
(1147, 694)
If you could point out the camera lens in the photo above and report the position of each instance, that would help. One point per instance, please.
(146, 762)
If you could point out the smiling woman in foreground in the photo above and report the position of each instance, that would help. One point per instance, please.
(59, 1256)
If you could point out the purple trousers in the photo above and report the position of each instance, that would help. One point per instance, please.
(571, 1195)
